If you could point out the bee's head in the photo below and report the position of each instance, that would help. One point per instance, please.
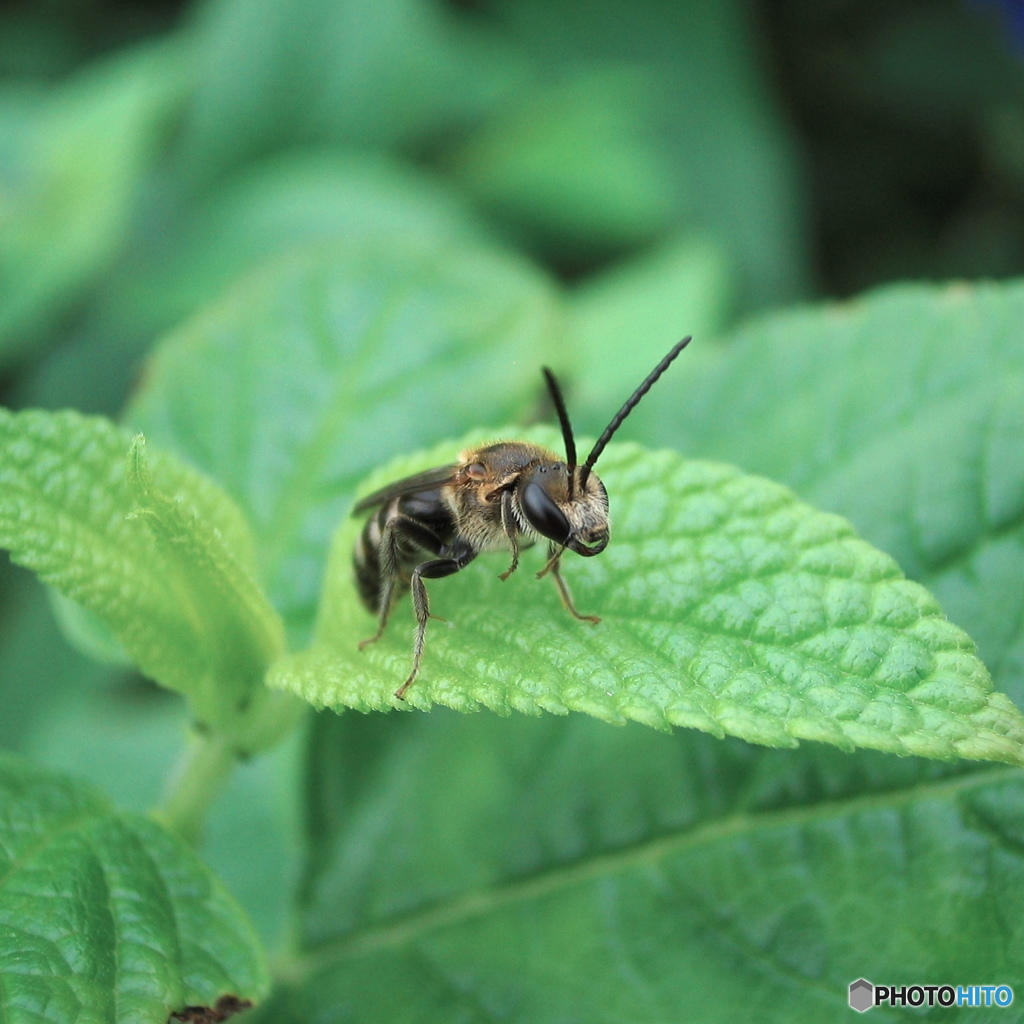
(566, 502)
(575, 518)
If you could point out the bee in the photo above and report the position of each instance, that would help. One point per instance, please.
(501, 496)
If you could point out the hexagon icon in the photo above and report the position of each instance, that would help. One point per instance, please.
(862, 995)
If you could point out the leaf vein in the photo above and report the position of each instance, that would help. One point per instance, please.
(479, 902)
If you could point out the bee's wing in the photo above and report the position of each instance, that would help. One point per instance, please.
(426, 481)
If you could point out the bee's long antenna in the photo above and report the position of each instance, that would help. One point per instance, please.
(563, 419)
(630, 405)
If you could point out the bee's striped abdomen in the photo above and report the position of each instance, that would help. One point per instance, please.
(366, 559)
(429, 513)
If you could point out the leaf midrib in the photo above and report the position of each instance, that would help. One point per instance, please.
(295, 490)
(465, 906)
(347, 403)
(74, 823)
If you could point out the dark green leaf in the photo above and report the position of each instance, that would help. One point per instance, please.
(273, 207)
(105, 916)
(69, 189)
(367, 73)
(572, 165)
(709, 128)
(38, 669)
(537, 871)
(127, 740)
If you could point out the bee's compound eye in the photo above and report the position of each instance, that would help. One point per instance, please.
(475, 471)
(543, 514)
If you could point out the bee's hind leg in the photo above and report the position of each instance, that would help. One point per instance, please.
(432, 570)
(389, 574)
(387, 600)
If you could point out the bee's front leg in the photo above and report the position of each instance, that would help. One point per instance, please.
(553, 566)
(508, 524)
(432, 570)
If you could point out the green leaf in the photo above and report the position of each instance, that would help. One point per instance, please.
(902, 410)
(168, 565)
(38, 668)
(70, 188)
(370, 74)
(572, 164)
(316, 370)
(105, 916)
(623, 320)
(87, 631)
(726, 604)
(709, 129)
(273, 207)
(126, 738)
(474, 868)
(253, 839)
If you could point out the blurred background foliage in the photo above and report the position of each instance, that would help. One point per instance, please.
(675, 165)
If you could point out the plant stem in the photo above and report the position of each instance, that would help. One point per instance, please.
(201, 776)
